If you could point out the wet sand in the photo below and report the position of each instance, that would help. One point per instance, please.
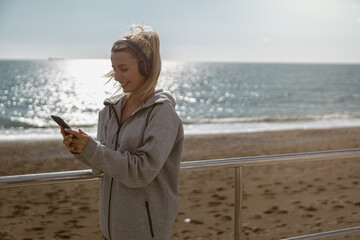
(279, 200)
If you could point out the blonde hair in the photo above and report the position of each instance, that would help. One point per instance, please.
(148, 41)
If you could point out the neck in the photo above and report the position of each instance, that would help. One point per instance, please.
(135, 100)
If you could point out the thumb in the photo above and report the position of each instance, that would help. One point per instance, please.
(81, 131)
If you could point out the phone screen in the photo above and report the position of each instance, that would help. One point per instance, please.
(60, 122)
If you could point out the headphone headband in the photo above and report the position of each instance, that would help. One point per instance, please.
(146, 69)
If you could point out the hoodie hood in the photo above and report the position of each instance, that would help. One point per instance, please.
(159, 96)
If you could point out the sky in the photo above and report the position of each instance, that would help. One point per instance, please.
(189, 30)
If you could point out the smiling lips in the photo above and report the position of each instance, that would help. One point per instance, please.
(124, 84)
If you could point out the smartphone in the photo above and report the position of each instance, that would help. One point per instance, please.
(60, 122)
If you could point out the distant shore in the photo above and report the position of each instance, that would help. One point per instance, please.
(279, 201)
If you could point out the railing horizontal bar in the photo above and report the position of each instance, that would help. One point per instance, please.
(269, 159)
(46, 178)
(58, 177)
(342, 232)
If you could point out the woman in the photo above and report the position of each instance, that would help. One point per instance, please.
(138, 147)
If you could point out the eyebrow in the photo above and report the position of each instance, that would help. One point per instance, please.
(121, 65)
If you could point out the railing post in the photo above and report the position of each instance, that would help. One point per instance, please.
(238, 202)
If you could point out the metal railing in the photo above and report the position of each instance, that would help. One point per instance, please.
(340, 232)
(237, 163)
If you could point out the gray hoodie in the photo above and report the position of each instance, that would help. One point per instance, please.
(139, 188)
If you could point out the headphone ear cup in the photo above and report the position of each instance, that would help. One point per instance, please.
(142, 68)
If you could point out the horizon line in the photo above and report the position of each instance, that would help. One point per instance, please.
(195, 61)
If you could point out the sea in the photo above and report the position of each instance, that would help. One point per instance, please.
(212, 97)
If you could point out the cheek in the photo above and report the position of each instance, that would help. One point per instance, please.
(136, 76)
(119, 75)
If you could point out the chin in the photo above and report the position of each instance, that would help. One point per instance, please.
(125, 90)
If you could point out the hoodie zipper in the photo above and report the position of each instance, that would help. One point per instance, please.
(149, 218)
(112, 179)
(116, 146)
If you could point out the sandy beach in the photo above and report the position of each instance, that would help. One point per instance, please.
(280, 201)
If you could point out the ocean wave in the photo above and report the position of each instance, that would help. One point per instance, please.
(26, 123)
(20, 122)
(269, 119)
(13, 123)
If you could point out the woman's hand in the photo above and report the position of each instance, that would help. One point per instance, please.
(77, 144)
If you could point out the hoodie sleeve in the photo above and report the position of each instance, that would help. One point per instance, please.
(101, 136)
(139, 169)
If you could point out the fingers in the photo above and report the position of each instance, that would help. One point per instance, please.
(68, 141)
(72, 132)
(62, 131)
(75, 141)
(72, 144)
(83, 133)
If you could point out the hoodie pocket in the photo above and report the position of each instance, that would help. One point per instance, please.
(149, 218)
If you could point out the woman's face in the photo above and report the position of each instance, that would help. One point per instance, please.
(126, 67)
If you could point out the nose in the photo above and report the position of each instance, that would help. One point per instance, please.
(117, 76)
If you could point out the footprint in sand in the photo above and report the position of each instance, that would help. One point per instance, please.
(52, 209)
(193, 221)
(85, 208)
(221, 198)
(195, 206)
(197, 191)
(73, 224)
(337, 207)
(308, 208)
(66, 211)
(213, 204)
(226, 218)
(343, 187)
(269, 193)
(63, 234)
(35, 229)
(281, 225)
(256, 216)
(275, 209)
(258, 230)
(307, 215)
(340, 219)
(324, 202)
(46, 222)
(63, 201)
(20, 210)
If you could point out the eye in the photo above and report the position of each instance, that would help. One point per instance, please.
(124, 69)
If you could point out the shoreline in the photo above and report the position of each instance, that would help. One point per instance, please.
(49, 155)
(226, 127)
